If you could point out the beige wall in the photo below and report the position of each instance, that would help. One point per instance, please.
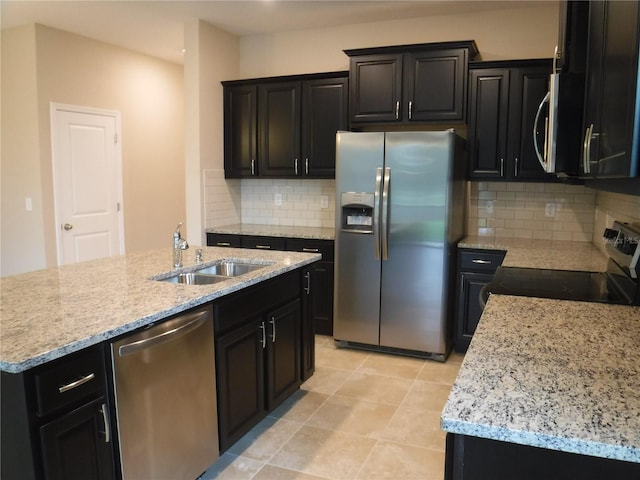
(149, 94)
(23, 238)
(505, 33)
(211, 56)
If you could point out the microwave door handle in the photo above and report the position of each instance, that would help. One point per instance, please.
(535, 131)
(385, 213)
(376, 213)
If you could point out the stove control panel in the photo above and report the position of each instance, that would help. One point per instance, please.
(623, 245)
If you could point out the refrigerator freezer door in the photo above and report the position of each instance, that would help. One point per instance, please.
(413, 280)
(357, 276)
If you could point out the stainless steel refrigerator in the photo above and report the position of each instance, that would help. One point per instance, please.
(399, 214)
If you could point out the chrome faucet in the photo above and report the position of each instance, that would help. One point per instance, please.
(179, 244)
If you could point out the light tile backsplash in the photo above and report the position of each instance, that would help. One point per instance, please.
(548, 211)
(222, 203)
(519, 209)
(293, 202)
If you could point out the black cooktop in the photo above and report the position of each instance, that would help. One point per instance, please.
(557, 284)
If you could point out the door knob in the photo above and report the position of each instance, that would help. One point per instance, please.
(67, 226)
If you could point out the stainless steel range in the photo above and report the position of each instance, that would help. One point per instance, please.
(618, 284)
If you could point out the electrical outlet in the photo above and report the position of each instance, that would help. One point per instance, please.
(550, 210)
(489, 207)
(324, 201)
(277, 199)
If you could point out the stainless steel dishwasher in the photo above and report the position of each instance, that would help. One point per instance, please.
(165, 391)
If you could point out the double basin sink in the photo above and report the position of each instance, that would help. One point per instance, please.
(218, 272)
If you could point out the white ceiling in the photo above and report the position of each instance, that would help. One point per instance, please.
(156, 27)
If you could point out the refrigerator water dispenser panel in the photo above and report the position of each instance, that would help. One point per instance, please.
(357, 212)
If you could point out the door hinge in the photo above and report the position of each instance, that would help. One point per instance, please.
(115, 138)
(118, 206)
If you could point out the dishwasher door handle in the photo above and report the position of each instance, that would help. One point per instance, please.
(191, 323)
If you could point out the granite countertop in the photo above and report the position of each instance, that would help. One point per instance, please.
(49, 313)
(542, 254)
(555, 374)
(318, 233)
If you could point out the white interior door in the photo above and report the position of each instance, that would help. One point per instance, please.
(87, 175)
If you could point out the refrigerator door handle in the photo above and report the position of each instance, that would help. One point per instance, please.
(376, 214)
(385, 213)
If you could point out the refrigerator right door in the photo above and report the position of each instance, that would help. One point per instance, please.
(414, 276)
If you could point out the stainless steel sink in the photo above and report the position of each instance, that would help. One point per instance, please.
(229, 269)
(210, 274)
(193, 278)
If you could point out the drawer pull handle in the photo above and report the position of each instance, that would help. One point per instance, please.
(482, 262)
(264, 247)
(223, 244)
(273, 323)
(77, 383)
(311, 250)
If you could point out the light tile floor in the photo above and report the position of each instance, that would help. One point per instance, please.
(363, 415)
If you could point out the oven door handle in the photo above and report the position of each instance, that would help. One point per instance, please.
(483, 296)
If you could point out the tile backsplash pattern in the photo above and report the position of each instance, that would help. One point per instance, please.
(521, 210)
(302, 203)
(221, 199)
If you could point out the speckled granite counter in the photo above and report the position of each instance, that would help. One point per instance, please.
(528, 253)
(555, 374)
(49, 313)
(275, 231)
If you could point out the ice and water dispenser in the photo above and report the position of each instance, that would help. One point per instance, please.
(357, 212)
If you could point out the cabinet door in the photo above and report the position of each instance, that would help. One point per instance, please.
(435, 85)
(77, 445)
(240, 131)
(283, 353)
(528, 86)
(489, 110)
(469, 309)
(279, 129)
(324, 107)
(375, 88)
(240, 376)
(321, 297)
(618, 90)
(308, 341)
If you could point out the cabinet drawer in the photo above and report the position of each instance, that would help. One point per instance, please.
(70, 380)
(263, 243)
(324, 247)
(237, 309)
(481, 260)
(223, 240)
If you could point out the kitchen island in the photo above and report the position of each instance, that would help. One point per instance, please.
(58, 399)
(50, 313)
(542, 377)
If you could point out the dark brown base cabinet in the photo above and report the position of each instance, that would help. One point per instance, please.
(474, 458)
(260, 352)
(320, 284)
(475, 270)
(53, 432)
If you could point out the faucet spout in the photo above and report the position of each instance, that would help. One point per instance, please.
(179, 244)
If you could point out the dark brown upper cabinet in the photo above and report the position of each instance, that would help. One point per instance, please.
(284, 127)
(611, 125)
(425, 83)
(503, 102)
